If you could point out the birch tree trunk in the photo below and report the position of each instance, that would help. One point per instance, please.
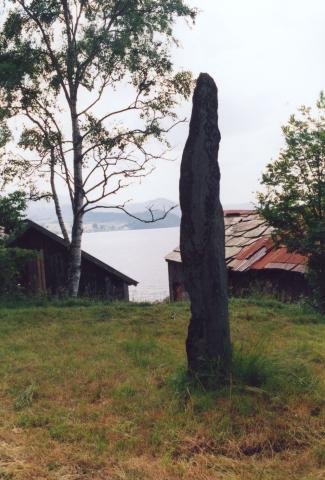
(75, 256)
(57, 205)
(78, 201)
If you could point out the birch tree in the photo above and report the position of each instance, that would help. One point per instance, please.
(94, 83)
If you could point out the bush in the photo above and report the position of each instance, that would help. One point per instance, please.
(316, 277)
(13, 262)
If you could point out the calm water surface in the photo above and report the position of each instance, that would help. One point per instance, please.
(140, 254)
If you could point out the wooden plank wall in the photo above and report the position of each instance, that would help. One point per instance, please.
(36, 280)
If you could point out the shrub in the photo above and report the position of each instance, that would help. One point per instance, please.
(13, 262)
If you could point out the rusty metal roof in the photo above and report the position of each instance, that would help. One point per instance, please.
(249, 246)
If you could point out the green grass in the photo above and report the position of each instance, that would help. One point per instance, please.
(100, 391)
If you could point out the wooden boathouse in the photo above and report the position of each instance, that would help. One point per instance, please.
(254, 262)
(48, 271)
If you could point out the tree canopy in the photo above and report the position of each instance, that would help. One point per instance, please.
(294, 198)
(12, 211)
(94, 83)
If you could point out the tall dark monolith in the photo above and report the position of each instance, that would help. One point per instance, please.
(203, 240)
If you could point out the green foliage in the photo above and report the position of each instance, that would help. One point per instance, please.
(61, 49)
(5, 134)
(294, 200)
(12, 211)
(13, 261)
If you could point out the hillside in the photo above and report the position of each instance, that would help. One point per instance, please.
(111, 219)
(101, 220)
(124, 221)
(94, 392)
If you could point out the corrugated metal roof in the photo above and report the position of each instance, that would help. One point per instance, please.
(281, 258)
(280, 266)
(249, 245)
(248, 263)
(300, 269)
(247, 252)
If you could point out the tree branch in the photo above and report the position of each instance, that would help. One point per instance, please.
(51, 53)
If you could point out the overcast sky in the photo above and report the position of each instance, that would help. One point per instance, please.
(267, 58)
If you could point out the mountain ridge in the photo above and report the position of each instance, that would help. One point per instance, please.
(115, 219)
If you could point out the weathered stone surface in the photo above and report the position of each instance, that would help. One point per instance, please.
(203, 236)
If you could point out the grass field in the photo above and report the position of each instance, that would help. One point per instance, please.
(100, 392)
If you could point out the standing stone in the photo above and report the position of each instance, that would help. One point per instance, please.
(203, 240)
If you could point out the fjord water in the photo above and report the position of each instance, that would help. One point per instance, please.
(139, 254)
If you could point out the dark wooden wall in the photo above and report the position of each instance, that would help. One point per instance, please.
(33, 277)
(284, 285)
(177, 290)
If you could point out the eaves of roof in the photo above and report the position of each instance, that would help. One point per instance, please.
(249, 246)
(33, 225)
